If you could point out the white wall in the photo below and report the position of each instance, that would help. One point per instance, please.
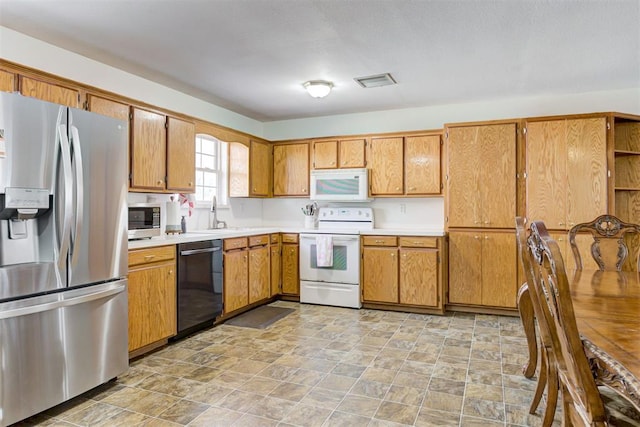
(625, 101)
(25, 50)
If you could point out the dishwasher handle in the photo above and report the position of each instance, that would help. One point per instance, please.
(199, 251)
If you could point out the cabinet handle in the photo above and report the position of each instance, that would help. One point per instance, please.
(149, 257)
(379, 241)
(418, 243)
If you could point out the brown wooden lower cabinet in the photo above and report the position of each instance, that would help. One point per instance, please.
(152, 295)
(483, 268)
(403, 271)
(246, 271)
(290, 265)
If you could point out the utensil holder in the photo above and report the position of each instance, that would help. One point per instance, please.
(309, 221)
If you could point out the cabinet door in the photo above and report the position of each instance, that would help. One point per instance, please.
(351, 153)
(49, 92)
(238, 170)
(419, 283)
(290, 271)
(7, 81)
(499, 269)
(497, 183)
(236, 290)
(586, 187)
(464, 163)
(422, 164)
(385, 161)
(152, 304)
(325, 154)
(148, 150)
(275, 269)
(291, 170)
(259, 169)
(259, 287)
(465, 268)
(380, 274)
(546, 173)
(107, 107)
(181, 155)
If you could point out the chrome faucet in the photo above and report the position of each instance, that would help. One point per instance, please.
(213, 216)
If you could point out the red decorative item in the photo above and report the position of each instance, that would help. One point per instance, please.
(183, 198)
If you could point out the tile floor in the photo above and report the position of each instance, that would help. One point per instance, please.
(323, 366)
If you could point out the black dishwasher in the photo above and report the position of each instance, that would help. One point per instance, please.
(199, 285)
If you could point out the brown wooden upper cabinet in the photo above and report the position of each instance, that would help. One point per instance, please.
(49, 92)
(108, 107)
(181, 155)
(7, 81)
(405, 165)
(626, 172)
(249, 169)
(566, 170)
(162, 153)
(481, 176)
(339, 153)
(291, 169)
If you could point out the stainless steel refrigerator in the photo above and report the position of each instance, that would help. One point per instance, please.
(63, 253)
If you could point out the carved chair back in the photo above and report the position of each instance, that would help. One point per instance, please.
(581, 399)
(609, 248)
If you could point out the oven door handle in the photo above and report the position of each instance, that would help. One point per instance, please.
(199, 251)
(335, 238)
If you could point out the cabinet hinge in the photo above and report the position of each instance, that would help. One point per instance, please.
(166, 124)
(85, 106)
(524, 131)
(130, 116)
(130, 176)
(608, 125)
(446, 135)
(441, 186)
(78, 97)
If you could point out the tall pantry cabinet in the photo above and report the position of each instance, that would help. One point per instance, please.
(481, 205)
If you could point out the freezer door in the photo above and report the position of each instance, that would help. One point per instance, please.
(99, 147)
(58, 346)
(27, 142)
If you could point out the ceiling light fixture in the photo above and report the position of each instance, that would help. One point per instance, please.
(318, 88)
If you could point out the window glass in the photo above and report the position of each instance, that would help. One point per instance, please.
(211, 169)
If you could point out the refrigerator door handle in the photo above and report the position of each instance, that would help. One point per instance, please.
(61, 302)
(79, 193)
(64, 236)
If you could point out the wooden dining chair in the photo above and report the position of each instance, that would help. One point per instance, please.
(581, 399)
(609, 248)
(548, 375)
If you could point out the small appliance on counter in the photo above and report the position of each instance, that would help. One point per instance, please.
(144, 220)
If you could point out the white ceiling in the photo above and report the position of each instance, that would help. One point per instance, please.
(252, 56)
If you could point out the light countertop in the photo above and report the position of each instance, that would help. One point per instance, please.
(226, 233)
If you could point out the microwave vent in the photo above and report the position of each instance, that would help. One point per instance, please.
(376, 81)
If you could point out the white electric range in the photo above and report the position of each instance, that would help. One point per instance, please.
(338, 284)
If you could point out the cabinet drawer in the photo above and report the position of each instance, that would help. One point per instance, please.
(419, 242)
(380, 241)
(289, 238)
(258, 240)
(147, 256)
(275, 238)
(236, 243)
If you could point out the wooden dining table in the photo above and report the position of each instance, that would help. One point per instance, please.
(607, 309)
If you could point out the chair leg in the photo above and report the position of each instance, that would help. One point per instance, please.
(552, 394)
(542, 381)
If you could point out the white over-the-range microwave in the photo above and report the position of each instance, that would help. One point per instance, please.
(340, 185)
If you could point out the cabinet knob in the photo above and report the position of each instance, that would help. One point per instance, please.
(170, 272)
(392, 254)
(476, 237)
(487, 222)
(160, 182)
(304, 190)
(561, 223)
(476, 222)
(486, 237)
(397, 188)
(191, 184)
(255, 189)
(333, 163)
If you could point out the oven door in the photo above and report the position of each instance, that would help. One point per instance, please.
(346, 259)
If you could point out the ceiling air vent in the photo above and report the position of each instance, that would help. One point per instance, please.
(376, 81)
